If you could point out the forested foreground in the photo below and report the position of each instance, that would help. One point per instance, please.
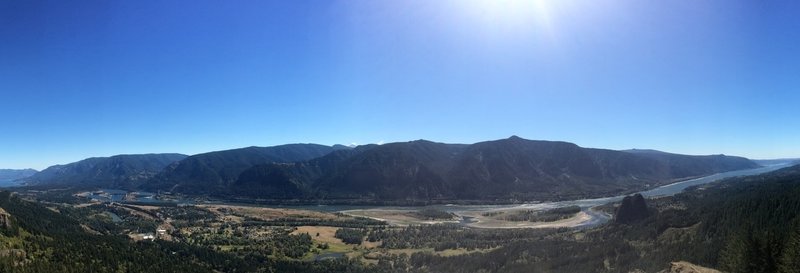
(34, 238)
(749, 224)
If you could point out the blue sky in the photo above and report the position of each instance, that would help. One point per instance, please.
(98, 78)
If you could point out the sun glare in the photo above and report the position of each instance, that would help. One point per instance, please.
(513, 17)
(513, 11)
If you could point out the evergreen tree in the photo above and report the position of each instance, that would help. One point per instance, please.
(737, 255)
(790, 259)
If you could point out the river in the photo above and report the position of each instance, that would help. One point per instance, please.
(666, 190)
(471, 217)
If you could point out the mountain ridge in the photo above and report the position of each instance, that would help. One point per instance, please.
(512, 168)
(120, 171)
(506, 169)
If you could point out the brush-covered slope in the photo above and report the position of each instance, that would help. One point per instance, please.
(416, 170)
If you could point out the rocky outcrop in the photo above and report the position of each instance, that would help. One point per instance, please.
(632, 209)
(5, 219)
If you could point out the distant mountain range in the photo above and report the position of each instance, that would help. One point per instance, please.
(120, 171)
(9, 177)
(506, 169)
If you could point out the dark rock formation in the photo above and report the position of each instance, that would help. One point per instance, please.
(632, 209)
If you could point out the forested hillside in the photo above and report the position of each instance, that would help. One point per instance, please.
(506, 169)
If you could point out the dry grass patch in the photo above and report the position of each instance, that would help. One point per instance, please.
(326, 234)
(369, 244)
